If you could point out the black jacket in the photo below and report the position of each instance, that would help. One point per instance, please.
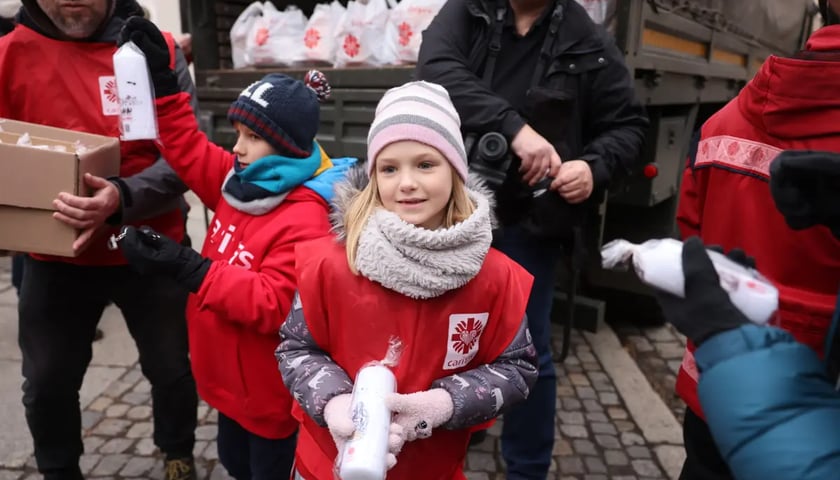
(586, 89)
(6, 26)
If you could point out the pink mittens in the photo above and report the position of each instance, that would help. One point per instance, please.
(339, 420)
(419, 413)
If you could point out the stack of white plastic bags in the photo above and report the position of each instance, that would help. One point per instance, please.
(371, 33)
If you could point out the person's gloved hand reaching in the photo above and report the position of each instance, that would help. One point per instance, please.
(150, 40)
(153, 254)
(706, 308)
(806, 188)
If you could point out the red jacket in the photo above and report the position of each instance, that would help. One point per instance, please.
(725, 196)
(39, 85)
(355, 328)
(234, 319)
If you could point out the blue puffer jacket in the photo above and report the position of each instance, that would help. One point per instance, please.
(772, 410)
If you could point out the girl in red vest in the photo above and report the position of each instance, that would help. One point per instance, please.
(412, 261)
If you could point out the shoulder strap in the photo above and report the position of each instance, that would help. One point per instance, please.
(495, 41)
(548, 44)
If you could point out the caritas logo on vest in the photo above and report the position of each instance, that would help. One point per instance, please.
(462, 341)
(222, 237)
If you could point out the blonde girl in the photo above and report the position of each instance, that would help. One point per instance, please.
(412, 261)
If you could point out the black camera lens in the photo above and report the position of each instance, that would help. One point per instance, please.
(492, 147)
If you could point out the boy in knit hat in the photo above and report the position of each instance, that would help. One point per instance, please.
(416, 255)
(268, 195)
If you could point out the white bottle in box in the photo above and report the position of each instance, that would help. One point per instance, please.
(138, 118)
(659, 264)
(364, 456)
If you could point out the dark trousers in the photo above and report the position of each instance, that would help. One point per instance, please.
(59, 308)
(528, 431)
(702, 458)
(17, 271)
(247, 456)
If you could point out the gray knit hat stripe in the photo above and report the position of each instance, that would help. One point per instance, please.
(422, 121)
(428, 102)
(440, 93)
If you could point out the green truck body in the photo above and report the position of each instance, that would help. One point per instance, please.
(688, 58)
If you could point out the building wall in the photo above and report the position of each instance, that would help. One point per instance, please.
(165, 13)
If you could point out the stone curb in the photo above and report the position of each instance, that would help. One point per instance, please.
(654, 418)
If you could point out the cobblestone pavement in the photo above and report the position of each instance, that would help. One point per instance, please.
(658, 351)
(596, 436)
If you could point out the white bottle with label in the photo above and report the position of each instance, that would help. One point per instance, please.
(658, 263)
(138, 118)
(364, 456)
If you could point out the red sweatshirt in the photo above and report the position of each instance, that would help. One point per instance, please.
(234, 319)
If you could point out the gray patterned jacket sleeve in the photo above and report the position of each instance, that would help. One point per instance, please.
(308, 372)
(489, 390)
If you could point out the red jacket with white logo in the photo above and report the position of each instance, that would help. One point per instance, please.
(792, 103)
(351, 319)
(39, 85)
(234, 319)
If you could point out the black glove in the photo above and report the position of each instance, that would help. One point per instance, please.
(151, 253)
(806, 188)
(148, 38)
(706, 308)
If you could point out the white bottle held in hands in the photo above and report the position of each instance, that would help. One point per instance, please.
(658, 263)
(138, 118)
(364, 455)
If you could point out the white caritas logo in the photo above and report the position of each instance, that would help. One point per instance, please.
(108, 93)
(462, 341)
(225, 238)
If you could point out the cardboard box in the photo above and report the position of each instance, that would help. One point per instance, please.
(31, 178)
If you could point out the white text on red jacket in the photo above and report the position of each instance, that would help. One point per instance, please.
(226, 238)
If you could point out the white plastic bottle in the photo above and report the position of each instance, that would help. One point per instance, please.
(138, 118)
(364, 456)
(659, 264)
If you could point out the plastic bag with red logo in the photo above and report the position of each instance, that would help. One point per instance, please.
(405, 27)
(319, 39)
(276, 38)
(597, 9)
(360, 38)
(239, 33)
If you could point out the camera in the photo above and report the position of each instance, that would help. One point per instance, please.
(540, 211)
(489, 156)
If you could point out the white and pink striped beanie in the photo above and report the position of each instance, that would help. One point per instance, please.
(422, 112)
